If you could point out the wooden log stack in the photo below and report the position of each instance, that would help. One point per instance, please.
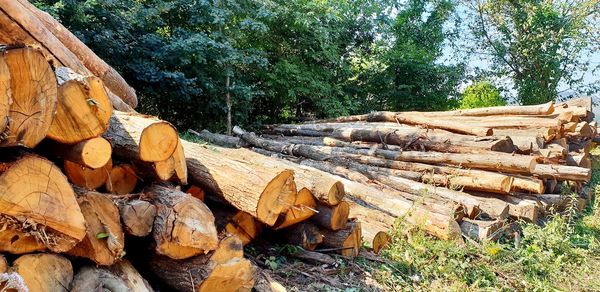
(95, 194)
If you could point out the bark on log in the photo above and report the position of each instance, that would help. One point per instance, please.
(372, 221)
(140, 137)
(304, 207)
(33, 93)
(37, 207)
(121, 180)
(218, 139)
(184, 226)
(261, 192)
(86, 177)
(224, 269)
(119, 277)
(44, 272)
(83, 111)
(87, 57)
(104, 242)
(480, 230)
(332, 218)
(346, 241)
(581, 160)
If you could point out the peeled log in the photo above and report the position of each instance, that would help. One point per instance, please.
(121, 180)
(44, 272)
(346, 241)
(5, 95)
(137, 217)
(184, 226)
(140, 137)
(37, 203)
(562, 172)
(224, 269)
(104, 241)
(381, 240)
(33, 97)
(332, 218)
(261, 192)
(86, 177)
(417, 118)
(119, 277)
(83, 110)
(304, 207)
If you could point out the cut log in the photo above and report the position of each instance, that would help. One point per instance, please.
(37, 202)
(86, 177)
(417, 118)
(121, 180)
(224, 269)
(548, 134)
(121, 276)
(581, 160)
(5, 95)
(346, 241)
(184, 226)
(244, 226)
(520, 208)
(104, 241)
(313, 257)
(163, 170)
(261, 192)
(180, 164)
(562, 172)
(88, 58)
(33, 92)
(140, 137)
(83, 110)
(381, 240)
(3, 264)
(218, 139)
(304, 207)
(137, 217)
(304, 234)
(44, 272)
(332, 218)
(481, 230)
(528, 184)
(93, 153)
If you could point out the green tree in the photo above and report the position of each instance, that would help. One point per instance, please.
(481, 94)
(538, 43)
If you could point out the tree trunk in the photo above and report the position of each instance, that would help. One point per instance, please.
(140, 137)
(66, 41)
(228, 103)
(120, 277)
(83, 110)
(224, 269)
(304, 207)
(184, 226)
(37, 206)
(44, 272)
(247, 185)
(137, 217)
(332, 218)
(104, 242)
(122, 180)
(86, 177)
(33, 94)
(345, 241)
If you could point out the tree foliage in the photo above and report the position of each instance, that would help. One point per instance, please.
(538, 43)
(481, 94)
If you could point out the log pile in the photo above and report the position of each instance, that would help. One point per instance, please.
(96, 195)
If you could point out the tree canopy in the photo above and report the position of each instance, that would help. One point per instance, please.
(285, 61)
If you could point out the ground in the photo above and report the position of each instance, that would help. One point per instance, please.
(562, 255)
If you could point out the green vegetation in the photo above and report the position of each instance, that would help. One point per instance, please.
(481, 94)
(284, 61)
(561, 255)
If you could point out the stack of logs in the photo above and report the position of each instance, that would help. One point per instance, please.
(94, 195)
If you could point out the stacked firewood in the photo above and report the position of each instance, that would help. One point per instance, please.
(469, 172)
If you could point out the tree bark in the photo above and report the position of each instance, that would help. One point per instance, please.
(304, 234)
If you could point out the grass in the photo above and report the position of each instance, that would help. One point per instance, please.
(562, 255)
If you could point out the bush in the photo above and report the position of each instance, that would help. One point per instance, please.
(481, 94)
